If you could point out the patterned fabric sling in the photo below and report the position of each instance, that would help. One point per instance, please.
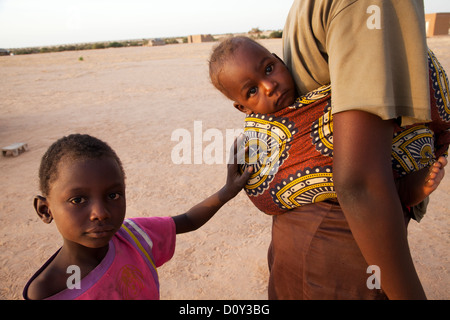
(291, 151)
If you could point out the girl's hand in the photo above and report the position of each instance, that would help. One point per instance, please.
(235, 180)
(198, 215)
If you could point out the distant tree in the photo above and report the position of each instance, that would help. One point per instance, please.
(115, 44)
(171, 41)
(98, 45)
(256, 32)
(276, 34)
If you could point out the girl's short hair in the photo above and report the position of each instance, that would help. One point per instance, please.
(76, 147)
(222, 53)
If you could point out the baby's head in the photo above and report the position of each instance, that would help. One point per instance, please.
(247, 73)
(83, 189)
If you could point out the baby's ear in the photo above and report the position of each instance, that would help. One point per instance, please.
(41, 206)
(241, 108)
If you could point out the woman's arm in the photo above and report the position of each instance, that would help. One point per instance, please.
(198, 215)
(366, 191)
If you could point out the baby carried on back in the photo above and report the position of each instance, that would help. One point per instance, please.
(291, 151)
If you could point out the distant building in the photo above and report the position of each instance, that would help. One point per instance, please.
(156, 42)
(200, 38)
(437, 23)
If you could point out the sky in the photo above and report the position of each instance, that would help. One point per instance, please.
(30, 23)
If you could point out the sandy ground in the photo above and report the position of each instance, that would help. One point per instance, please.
(135, 99)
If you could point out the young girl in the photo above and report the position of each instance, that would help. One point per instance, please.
(312, 254)
(83, 190)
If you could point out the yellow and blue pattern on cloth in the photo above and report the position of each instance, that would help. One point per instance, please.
(291, 151)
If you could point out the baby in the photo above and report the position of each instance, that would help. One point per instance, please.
(299, 132)
(83, 190)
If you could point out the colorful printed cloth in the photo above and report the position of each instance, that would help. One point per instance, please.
(291, 151)
(128, 271)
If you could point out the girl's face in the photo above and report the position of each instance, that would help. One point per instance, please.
(87, 200)
(257, 81)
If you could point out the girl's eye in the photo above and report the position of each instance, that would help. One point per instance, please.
(269, 69)
(114, 196)
(252, 92)
(77, 200)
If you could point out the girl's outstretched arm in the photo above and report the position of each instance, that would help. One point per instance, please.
(198, 215)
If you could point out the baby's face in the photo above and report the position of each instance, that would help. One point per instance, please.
(87, 200)
(257, 81)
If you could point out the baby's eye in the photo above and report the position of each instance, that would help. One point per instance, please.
(114, 196)
(251, 92)
(77, 200)
(269, 69)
